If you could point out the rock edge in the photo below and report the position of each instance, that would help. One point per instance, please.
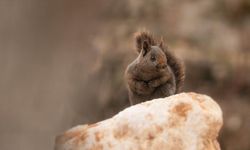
(186, 121)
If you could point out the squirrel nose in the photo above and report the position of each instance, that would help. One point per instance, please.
(161, 66)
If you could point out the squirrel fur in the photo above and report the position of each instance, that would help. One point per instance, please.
(155, 73)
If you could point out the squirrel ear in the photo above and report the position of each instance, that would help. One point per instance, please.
(161, 43)
(145, 47)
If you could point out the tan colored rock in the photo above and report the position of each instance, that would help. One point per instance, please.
(186, 121)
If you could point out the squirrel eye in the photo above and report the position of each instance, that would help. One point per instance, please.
(152, 58)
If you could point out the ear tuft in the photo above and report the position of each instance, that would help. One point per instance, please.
(161, 45)
(142, 36)
(145, 47)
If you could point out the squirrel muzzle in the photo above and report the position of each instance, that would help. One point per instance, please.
(161, 63)
(161, 66)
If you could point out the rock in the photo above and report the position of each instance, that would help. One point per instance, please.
(186, 121)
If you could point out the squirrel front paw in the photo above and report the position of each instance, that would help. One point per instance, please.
(153, 83)
(157, 82)
(143, 88)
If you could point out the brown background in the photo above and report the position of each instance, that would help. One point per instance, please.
(62, 62)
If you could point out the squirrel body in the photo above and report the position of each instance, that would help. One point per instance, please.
(155, 73)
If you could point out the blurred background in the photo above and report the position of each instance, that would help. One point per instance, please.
(62, 62)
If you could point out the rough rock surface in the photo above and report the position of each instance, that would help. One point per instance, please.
(186, 121)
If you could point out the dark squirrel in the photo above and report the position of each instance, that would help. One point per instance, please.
(155, 73)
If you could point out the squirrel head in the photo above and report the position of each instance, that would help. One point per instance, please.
(152, 58)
